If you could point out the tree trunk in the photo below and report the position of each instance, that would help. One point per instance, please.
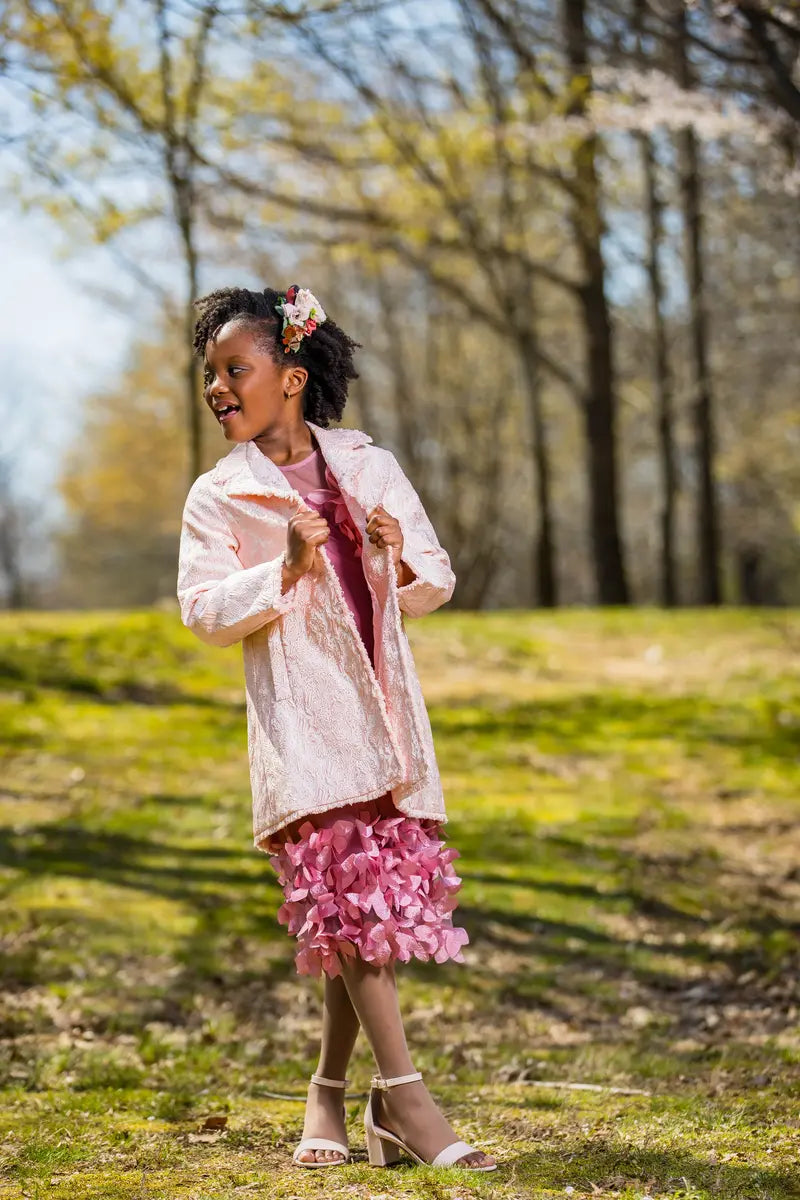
(179, 165)
(408, 426)
(748, 562)
(13, 528)
(707, 520)
(11, 558)
(193, 411)
(599, 405)
(662, 377)
(546, 582)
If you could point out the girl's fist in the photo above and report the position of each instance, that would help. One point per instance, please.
(384, 530)
(307, 530)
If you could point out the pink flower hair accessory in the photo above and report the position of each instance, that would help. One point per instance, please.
(302, 313)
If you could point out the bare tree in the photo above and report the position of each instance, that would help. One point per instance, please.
(661, 368)
(600, 400)
(707, 517)
(12, 535)
(772, 30)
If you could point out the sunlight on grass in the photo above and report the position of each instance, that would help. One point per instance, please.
(622, 789)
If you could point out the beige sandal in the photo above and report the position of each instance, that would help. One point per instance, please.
(384, 1147)
(321, 1143)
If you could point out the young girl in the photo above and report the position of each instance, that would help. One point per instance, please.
(310, 547)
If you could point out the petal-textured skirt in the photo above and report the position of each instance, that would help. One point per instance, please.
(366, 880)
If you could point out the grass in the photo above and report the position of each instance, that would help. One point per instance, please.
(623, 791)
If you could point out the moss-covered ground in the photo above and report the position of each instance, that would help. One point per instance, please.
(623, 788)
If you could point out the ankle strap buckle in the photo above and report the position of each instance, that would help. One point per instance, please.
(382, 1084)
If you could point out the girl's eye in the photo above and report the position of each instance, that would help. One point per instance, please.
(209, 375)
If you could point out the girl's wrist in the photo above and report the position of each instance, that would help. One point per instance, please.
(289, 577)
(404, 573)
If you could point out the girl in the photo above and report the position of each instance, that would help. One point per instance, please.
(310, 546)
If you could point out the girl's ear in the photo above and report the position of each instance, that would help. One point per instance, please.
(295, 379)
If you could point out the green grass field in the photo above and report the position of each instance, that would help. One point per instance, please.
(623, 790)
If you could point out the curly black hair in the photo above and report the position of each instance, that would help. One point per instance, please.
(327, 353)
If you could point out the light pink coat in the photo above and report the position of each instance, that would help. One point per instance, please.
(323, 727)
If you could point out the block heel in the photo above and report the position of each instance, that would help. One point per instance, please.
(381, 1153)
(385, 1147)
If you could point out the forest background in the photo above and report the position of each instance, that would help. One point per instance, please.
(565, 233)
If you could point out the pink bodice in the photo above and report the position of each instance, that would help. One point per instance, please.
(314, 480)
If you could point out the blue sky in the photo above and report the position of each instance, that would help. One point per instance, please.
(57, 343)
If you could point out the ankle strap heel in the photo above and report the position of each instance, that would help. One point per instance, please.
(385, 1147)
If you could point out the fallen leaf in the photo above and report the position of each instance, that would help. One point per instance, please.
(214, 1123)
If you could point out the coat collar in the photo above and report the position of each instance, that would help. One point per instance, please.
(245, 471)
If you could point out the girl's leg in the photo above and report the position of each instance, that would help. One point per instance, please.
(324, 1116)
(407, 1109)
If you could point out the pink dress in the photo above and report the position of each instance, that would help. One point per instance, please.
(362, 879)
(313, 479)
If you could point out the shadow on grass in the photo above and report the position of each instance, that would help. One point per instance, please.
(594, 722)
(127, 657)
(175, 872)
(33, 678)
(235, 893)
(649, 905)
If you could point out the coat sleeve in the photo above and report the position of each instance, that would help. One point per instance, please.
(430, 563)
(220, 600)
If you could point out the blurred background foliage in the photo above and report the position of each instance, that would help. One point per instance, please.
(565, 232)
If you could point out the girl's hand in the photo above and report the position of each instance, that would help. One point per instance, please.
(307, 530)
(384, 530)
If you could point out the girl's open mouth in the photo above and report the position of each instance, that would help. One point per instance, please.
(224, 414)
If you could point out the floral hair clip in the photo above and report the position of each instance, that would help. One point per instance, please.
(302, 313)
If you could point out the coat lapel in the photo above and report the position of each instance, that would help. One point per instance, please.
(245, 471)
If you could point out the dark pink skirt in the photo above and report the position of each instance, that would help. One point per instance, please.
(366, 880)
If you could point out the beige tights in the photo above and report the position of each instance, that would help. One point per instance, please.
(366, 995)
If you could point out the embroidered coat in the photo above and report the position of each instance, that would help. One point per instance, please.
(323, 727)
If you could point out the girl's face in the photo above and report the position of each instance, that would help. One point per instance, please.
(245, 388)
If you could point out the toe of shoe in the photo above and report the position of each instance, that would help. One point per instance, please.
(310, 1152)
